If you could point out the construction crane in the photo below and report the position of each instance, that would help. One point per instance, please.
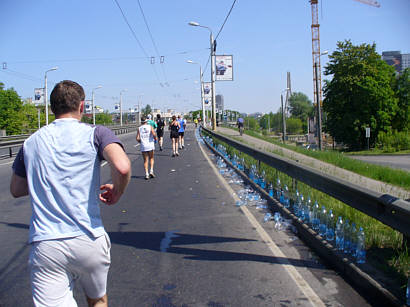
(316, 46)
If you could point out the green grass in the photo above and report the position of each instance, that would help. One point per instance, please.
(385, 248)
(388, 175)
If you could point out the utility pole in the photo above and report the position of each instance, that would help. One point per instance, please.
(319, 115)
(283, 119)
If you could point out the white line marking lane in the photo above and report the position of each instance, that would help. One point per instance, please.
(294, 274)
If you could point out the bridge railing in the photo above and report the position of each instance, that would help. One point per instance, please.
(386, 208)
(11, 144)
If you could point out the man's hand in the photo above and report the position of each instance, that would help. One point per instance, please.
(110, 195)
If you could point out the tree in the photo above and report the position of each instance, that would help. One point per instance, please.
(402, 119)
(360, 94)
(11, 116)
(294, 125)
(300, 106)
(147, 110)
(251, 123)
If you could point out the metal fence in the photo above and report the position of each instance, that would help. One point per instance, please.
(9, 145)
(386, 208)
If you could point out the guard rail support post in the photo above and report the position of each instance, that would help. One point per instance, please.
(10, 152)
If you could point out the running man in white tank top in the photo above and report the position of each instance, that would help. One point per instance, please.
(146, 137)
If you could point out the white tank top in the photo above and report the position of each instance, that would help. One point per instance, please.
(147, 139)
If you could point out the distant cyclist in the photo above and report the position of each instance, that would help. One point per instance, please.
(240, 122)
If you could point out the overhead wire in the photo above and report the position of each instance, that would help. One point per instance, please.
(136, 38)
(220, 30)
(226, 18)
(153, 42)
(102, 59)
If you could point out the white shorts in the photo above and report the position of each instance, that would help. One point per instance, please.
(56, 264)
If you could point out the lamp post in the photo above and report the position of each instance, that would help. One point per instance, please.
(318, 102)
(121, 106)
(45, 91)
(202, 92)
(283, 116)
(92, 101)
(211, 39)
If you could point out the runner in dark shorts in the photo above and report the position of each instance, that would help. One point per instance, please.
(174, 127)
(160, 131)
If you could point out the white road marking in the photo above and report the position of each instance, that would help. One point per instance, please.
(7, 163)
(294, 274)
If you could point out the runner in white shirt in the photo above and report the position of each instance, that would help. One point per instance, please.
(146, 137)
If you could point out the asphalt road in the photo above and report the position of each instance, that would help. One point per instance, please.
(394, 161)
(179, 240)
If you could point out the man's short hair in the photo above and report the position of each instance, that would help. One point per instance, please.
(66, 97)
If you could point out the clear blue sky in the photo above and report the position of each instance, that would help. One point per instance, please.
(91, 43)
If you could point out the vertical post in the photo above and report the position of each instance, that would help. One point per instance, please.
(213, 82)
(283, 120)
(45, 97)
(38, 117)
(319, 115)
(120, 109)
(202, 96)
(92, 103)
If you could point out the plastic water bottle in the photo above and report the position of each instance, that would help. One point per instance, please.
(301, 213)
(330, 232)
(262, 182)
(267, 217)
(286, 197)
(347, 238)
(270, 190)
(323, 222)
(408, 293)
(309, 218)
(282, 198)
(354, 233)
(339, 233)
(278, 188)
(361, 252)
(316, 218)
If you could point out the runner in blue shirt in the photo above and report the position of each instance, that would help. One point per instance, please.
(181, 131)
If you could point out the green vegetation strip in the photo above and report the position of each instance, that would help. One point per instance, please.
(385, 247)
(385, 174)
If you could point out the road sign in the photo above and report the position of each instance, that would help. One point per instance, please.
(367, 132)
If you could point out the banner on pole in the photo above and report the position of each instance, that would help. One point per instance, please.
(207, 88)
(38, 96)
(224, 68)
(88, 107)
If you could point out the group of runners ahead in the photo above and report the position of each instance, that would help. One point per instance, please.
(152, 131)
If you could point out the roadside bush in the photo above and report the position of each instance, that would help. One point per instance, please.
(393, 141)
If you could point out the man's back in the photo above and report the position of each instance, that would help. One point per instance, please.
(63, 174)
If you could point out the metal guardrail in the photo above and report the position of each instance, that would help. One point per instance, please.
(386, 208)
(16, 141)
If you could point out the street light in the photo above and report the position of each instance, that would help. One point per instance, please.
(211, 39)
(45, 91)
(318, 102)
(92, 101)
(283, 115)
(121, 105)
(202, 92)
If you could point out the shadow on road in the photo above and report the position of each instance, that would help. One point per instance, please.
(152, 241)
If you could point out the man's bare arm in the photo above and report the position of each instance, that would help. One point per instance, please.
(120, 172)
(18, 186)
